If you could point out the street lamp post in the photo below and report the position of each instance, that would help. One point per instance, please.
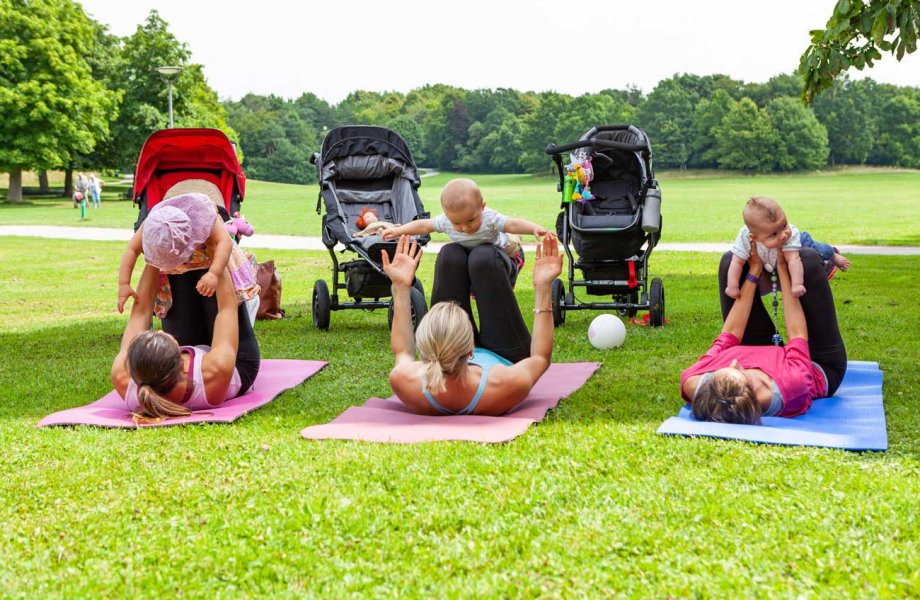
(168, 74)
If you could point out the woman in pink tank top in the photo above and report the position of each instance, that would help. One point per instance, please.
(160, 379)
(744, 376)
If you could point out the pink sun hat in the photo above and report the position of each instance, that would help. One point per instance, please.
(175, 227)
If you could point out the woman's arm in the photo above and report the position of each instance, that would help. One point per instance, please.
(128, 260)
(223, 245)
(138, 322)
(737, 319)
(401, 271)
(547, 266)
(218, 364)
(796, 327)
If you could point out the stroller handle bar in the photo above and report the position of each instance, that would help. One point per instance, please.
(595, 143)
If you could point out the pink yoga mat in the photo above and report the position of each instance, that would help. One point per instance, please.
(389, 420)
(274, 377)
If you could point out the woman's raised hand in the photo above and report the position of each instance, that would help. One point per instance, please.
(548, 265)
(401, 268)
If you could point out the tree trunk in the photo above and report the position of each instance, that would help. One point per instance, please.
(43, 186)
(68, 182)
(14, 194)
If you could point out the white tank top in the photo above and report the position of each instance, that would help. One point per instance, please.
(197, 401)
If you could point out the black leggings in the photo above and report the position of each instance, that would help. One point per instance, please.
(191, 321)
(486, 271)
(824, 342)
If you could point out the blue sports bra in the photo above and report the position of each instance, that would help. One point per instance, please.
(485, 359)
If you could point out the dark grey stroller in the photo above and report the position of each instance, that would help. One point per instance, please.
(615, 232)
(361, 167)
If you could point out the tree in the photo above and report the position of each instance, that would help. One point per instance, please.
(709, 114)
(745, 139)
(801, 141)
(777, 86)
(850, 126)
(51, 108)
(667, 118)
(898, 136)
(144, 105)
(855, 36)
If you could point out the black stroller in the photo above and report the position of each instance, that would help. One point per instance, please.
(364, 167)
(616, 230)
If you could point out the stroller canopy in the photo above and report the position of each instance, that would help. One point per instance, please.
(627, 160)
(365, 140)
(173, 155)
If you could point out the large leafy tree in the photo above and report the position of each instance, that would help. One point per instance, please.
(745, 140)
(667, 118)
(145, 102)
(801, 141)
(850, 126)
(51, 107)
(856, 34)
(708, 115)
(898, 133)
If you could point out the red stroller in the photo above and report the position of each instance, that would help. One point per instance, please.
(172, 156)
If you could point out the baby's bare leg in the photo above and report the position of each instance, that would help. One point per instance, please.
(796, 272)
(840, 261)
(733, 285)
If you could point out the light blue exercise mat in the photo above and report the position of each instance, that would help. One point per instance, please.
(852, 419)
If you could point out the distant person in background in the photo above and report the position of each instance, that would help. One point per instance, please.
(94, 187)
(80, 183)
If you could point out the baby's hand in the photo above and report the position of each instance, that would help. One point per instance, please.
(125, 291)
(798, 290)
(390, 233)
(732, 291)
(541, 232)
(207, 285)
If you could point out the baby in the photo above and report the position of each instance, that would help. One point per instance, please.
(467, 221)
(181, 234)
(766, 223)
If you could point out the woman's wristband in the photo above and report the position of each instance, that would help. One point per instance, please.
(537, 311)
(753, 279)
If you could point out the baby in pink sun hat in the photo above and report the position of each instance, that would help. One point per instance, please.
(185, 233)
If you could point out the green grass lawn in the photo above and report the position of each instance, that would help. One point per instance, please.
(591, 502)
(846, 207)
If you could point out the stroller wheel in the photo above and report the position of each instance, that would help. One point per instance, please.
(322, 305)
(417, 284)
(656, 303)
(557, 295)
(417, 305)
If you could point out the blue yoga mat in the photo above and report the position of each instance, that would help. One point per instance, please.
(852, 419)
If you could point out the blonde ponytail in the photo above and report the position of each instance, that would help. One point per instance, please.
(444, 339)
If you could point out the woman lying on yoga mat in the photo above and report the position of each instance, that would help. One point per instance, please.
(453, 377)
(170, 373)
(744, 375)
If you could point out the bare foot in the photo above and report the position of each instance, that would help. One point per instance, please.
(798, 290)
(733, 292)
(840, 261)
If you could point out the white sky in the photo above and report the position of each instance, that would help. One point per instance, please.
(287, 47)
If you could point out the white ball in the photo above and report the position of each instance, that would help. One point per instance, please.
(606, 331)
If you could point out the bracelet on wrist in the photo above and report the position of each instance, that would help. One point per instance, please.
(537, 311)
(753, 279)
